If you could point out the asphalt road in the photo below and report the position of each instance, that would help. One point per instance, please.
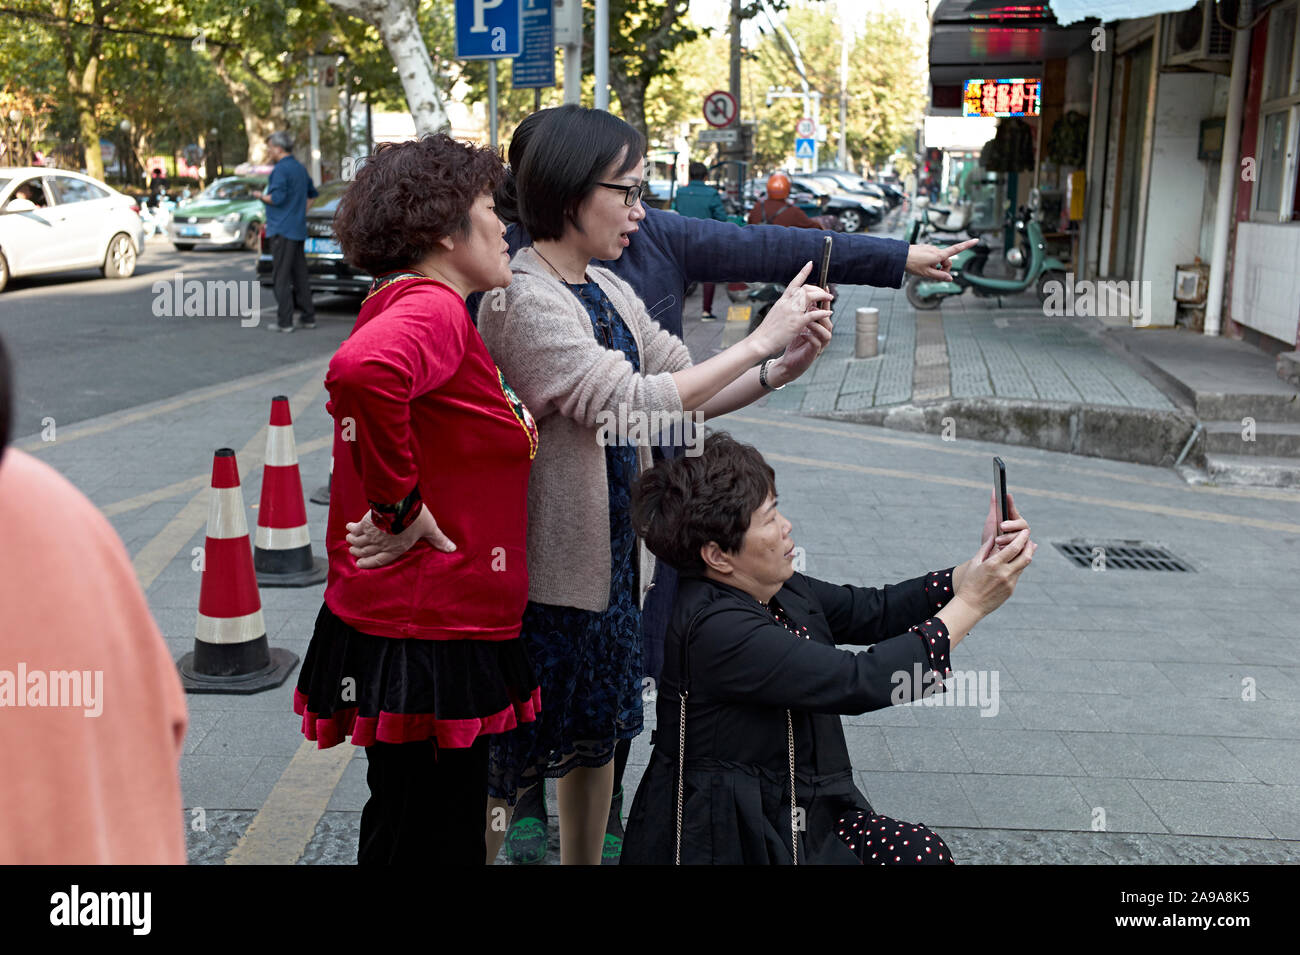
(83, 345)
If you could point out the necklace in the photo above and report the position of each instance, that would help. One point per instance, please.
(554, 269)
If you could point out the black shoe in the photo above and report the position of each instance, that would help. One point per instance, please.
(528, 839)
(613, 831)
(708, 317)
(307, 323)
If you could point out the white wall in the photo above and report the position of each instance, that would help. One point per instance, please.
(1175, 193)
(1266, 278)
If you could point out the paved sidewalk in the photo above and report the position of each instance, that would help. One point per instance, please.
(1140, 716)
(971, 348)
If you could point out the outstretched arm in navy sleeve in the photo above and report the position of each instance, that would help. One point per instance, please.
(723, 252)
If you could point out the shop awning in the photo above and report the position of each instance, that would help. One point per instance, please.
(1072, 11)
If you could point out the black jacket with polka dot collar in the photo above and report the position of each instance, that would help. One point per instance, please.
(744, 665)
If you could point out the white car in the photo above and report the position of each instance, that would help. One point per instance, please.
(53, 220)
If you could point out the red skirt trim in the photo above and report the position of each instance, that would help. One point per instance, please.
(411, 727)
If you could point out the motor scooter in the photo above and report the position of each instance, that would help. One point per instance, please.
(939, 222)
(967, 272)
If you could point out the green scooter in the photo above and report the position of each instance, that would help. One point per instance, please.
(1041, 269)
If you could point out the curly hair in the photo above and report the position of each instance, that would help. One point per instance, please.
(409, 195)
(681, 504)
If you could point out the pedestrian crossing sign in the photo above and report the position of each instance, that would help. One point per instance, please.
(803, 149)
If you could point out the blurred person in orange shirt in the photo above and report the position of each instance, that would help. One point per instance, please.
(92, 714)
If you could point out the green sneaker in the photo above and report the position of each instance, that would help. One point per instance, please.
(613, 848)
(527, 841)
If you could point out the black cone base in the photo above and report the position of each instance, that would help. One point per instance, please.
(288, 568)
(273, 673)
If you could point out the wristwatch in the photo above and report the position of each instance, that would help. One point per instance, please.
(762, 376)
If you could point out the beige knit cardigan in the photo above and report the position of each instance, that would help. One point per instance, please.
(540, 336)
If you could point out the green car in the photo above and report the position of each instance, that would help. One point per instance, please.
(223, 216)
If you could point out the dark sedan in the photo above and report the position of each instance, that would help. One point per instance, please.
(327, 270)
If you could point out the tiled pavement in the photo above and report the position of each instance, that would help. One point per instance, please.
(1161, 708)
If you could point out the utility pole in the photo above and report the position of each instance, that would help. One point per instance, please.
(737, 148)
(843, 156)
(600, 55)
(313, 124)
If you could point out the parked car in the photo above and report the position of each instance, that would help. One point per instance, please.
(855, 211)
(852, 182)
(223, 216)
(52, 220)
(327, 270)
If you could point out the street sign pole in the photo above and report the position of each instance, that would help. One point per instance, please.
(492, 103)
(601, 54)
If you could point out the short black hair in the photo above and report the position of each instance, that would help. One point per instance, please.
(681, 504)
(699, 171)
(568, 154)
(506, 196)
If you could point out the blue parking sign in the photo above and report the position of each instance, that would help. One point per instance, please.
(488, 29)
(535, 68)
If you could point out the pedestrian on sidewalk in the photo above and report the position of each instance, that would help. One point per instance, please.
(579, 345)
(754, 681)
(416, 653)
(665, 255)
(698, 200)
(288, 191)
(776, 207)
(94, 716)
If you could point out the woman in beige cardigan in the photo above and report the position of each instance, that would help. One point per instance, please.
(600, 378)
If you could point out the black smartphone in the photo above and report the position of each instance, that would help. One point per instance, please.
(826, 262)
(1000, 492)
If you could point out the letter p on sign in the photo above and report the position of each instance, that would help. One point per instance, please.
(480, 8)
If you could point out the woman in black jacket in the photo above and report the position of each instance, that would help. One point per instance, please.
(755, 685)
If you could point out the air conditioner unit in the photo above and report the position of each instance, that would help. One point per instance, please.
(1195, 39)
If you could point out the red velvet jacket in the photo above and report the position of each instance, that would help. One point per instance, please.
(422, 416)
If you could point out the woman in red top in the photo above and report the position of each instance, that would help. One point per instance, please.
(416, 653)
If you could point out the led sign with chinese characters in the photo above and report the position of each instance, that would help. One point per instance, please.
(1014, 97)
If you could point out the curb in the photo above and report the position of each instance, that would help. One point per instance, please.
(1136, 435)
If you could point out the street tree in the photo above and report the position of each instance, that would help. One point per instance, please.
(398, 24)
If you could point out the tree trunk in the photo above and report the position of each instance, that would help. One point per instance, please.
(83, 83)
(257, 123)
(631, 99)
(400, 30)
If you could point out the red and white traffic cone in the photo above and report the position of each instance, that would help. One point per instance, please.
(231, 654)
(282, 553)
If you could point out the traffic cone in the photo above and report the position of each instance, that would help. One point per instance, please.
(322, 494)
(230, 654)
(282, 555)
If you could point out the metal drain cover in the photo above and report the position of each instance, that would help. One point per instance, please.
(1121, 555)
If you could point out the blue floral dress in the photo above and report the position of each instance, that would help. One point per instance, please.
(588, 662)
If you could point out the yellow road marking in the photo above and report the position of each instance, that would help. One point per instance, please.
(198, 481)
(35, 445)
(287, 820)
